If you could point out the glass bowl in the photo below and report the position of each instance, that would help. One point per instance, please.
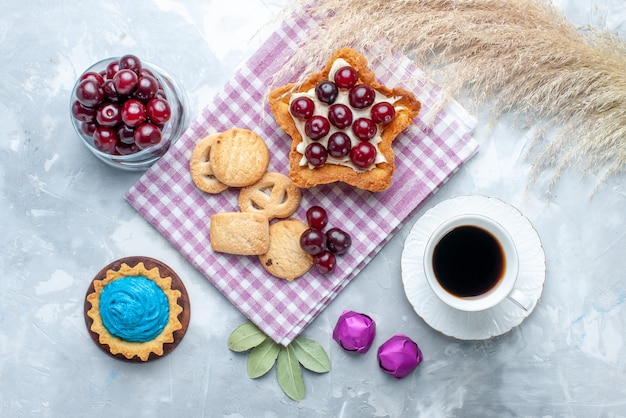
(127, 155)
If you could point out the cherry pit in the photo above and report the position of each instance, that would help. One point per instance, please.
(323, 246)
(122, 108)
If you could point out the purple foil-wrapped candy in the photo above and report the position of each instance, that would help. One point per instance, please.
(355, 331)
(399, 356)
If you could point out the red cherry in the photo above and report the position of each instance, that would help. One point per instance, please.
(89, 93)
(338, 241)
(109, 91)
(147, 88)
(112, 69)
(326, 92)
(361, 96)
(158, 111)
(133, 112)
(383, 113)
(339, 145)
(346, 77)
(144, 71)
(317, 127)
(340, 115)
(105, 139)
(130, 62)
(92, 75)
(325, 262)
(125, 81)
(316, 154)
(82, 112)
(147, 135)
(364, 129)
(363, 155)
(109, 114)
(317, 217)
(313, 241)
(302, 108)
(161, 95)
(126, 149)
(88, 128)
(126, 134)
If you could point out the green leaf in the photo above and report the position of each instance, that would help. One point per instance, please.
(245, 337)
(289, 374)
(311, 355)
(262, 358)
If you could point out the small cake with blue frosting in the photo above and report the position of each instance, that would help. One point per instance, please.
(137, 309)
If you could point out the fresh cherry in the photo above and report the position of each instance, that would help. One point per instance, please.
(126, 149)
(147, 88)
(92, 75)
(317, 217)
(82, 112)
(126, 134)
(346, 77)
(109, 114)
(364, 129)
(383, 113)
(147, 134)
(133, 113)
(89, 93)
(145, 71)
(313, 241)
(130, 62)
(109, 91)
(317, 127)
(125, 81)
(316, 154)
(88, 128)
(361, 96)
(363, 155)
(339, 145)
(338, 241)
(325, 262)
(112, 69)
(105, 139)
(326, 92)
(302, 108)
(158, 111)
(340, 115)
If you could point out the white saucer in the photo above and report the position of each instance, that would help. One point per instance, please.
(483, 324)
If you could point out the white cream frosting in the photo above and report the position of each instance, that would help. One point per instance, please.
(321, 109)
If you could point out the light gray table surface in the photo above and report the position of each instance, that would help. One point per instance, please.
(63, 217)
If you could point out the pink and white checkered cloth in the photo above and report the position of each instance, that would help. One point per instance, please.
(426, 157)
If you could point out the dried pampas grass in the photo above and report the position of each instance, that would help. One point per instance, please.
(518, 56)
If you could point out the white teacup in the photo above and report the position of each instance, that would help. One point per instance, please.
(471, 264)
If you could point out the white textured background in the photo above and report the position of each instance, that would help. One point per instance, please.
(63, 217)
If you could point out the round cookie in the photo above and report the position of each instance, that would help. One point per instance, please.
(116, 307)
(201, 168)
(239, 157)
(285, 258)
(274, 196)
